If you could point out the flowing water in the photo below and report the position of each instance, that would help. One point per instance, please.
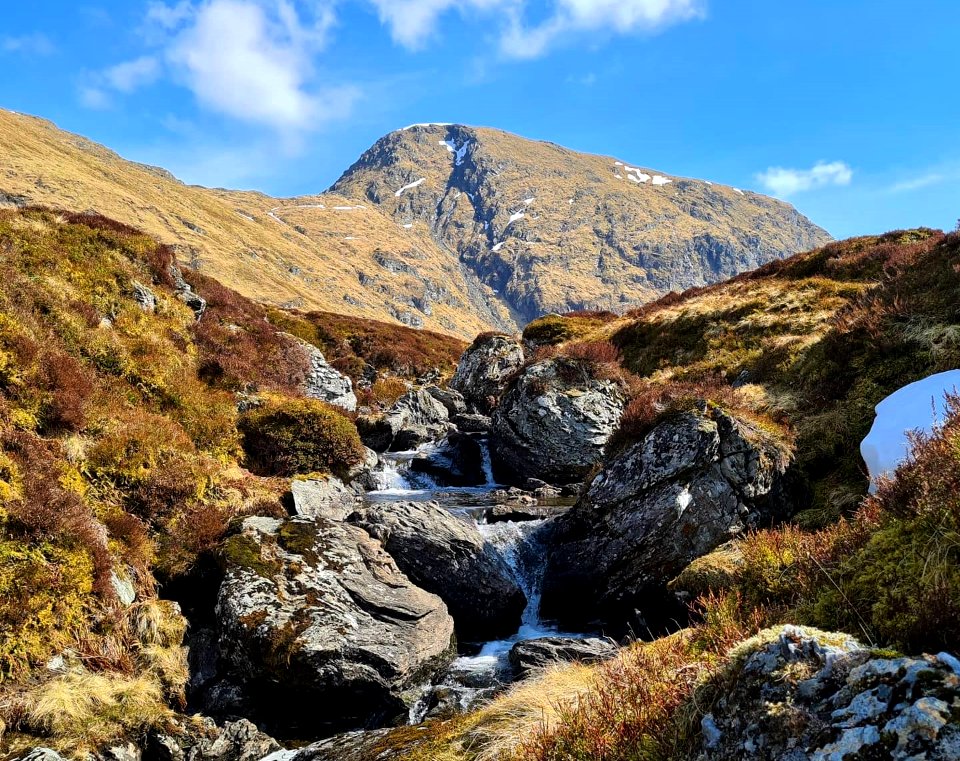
(481, 668)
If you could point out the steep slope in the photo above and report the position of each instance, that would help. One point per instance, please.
(551, 229)
(320, 252)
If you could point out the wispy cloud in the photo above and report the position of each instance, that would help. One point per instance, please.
(786, 182)
(413, 22)
(28, 44)
(924, 181)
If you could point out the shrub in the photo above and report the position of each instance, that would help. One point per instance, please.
(290, 436)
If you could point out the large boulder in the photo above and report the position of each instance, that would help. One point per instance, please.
(448, 556)
(554, 422)
(537, 654)
(457, 461)
(416, 418)
(327, 496)
(319, 630)
(485, 370)
(692, 483)
(798, 693)
(323, 382)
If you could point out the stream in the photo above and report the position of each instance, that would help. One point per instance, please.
(481, 668)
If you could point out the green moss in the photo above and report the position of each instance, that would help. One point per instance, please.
(243, 551)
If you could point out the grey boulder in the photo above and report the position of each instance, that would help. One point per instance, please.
(414, 419)
(324, 382)
(319, 630)
(485, 370)
(692, 483)
(447, 555)
(554, 422)
(537, 654)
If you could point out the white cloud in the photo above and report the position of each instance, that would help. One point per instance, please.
(93, 97)
(254, 61)
(923, 181)
(131, 75)
(30, 44)
(412, 22)
(786, 182)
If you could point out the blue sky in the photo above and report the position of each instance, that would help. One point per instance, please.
(850, 109)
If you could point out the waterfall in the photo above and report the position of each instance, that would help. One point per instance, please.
(520, 545)
(487, 462)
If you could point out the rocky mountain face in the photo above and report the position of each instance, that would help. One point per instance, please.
(448, 228)
(553, 230)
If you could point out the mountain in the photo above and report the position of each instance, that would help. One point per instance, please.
(449, 228)
(553, 230)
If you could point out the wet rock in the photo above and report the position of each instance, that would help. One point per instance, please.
(472, 423)
(691, 484)
(553, 422)
(323, 382)
(457, 461)
(327, 497)
(514, 497)
(449, 398)
(414, 419)
(319, 630)
(518, 512)
(354, 746)
(447, 555)
(235, 741)
(537, 654)
(799, 693)
(41, 754)
(362, 476)
(485, 370)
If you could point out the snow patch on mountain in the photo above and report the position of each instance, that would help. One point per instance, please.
(411, 186)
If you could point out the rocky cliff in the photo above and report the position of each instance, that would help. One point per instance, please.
(550, 229)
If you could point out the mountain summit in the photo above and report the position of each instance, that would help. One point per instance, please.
(446, 227)
(551, 229)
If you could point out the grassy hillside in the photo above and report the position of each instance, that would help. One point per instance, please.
(319, 252)
(123, 457)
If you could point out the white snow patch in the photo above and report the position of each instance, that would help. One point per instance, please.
(635, 175)
(516, 217)
(310, 206)
(408, 226)
(246, 216)
(684, 499)
(427, 124)
(411, 186)
(915, 407)
(347, 208)
(570, 201)
(707, 182)
(529, 201)
(660, 180)
(620, 176)
(618, 163)
(458, 152)
(498, 246)
(737, 190)
(349, 237)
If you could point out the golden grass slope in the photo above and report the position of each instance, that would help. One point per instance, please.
(321, 252)
(556, 230)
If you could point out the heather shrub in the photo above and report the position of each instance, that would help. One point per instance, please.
(291, 436)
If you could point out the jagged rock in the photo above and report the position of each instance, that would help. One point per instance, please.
(692, 483)
(185, 292)
(320, 630)
(798, 693)
(537, 654)
(485, 369)
(361, 477)
(553, 422)
(235, 741)
(447, 555)
(352, 746)
(472, 423)
(41, 754)
(324, 382)
(516, 513)
(415, 418)
(452, 400)
(514, 497)
(145, 298)
(327, 497)
(457, 461)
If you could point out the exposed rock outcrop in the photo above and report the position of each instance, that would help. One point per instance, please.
(322, 497)
(537, 654)
(692, 483)
(553, 422)
(447, 556)
(319, 630)
(485, 370)
(415, 418)
(799, 693)
(325, 383)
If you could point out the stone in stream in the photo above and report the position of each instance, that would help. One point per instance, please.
(414, 419)
(319, 630)
(457, 461)
(692, 483)
(447, 555)
(537, 654)
(554, 422)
